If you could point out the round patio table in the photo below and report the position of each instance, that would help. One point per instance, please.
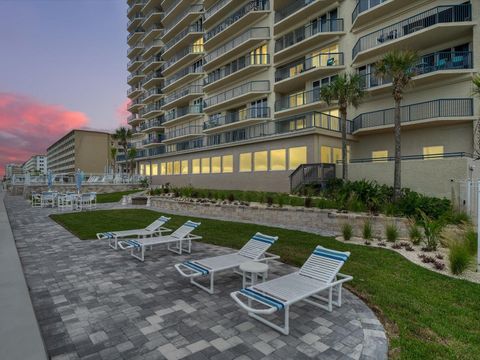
(252, 270)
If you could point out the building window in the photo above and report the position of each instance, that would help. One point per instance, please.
(434, 152)
(163, 168)
(176, 167)
(245, 162)
(227, 163)
(278, 160)
(260, 161)
(142, 169)
(169, 168)
(147, 169)
(216, 164)
(205, 165)
(196, 166)
(337, 155)
(154, 169)
(380, 155)
(326, 155)
(184, 169)
(296, 157)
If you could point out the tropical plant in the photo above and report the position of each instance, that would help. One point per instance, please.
(399, 66)
(131, 155)
(432, 230)
(391, 232)
(367, 231)
(347, 231)
(459, 257)
(476, 85)
(346, 90)
(123, 135)
(414, 233)
(113, 156)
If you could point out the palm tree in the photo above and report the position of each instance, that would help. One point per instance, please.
(131, 154)
(113, 156)
(123, 135)
(399, 66)
(476, 85)
(347, 90)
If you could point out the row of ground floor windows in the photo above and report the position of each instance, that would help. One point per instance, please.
(382, 155)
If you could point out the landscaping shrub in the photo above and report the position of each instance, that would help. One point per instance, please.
(432, 230)
(414, 233)
(459, 257)
(367, 231)
(391, 232)
(280, 201)
(471, 241)
(308, 202)
(347, 231)
(269, 200)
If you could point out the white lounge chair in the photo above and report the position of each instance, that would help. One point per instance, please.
(319, 274)
(254, 250)
(154, 229)
(177, 238)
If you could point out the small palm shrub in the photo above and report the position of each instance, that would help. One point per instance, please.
(432, 230)
(367, 231)
(415, 234)
(347, 231)
(391, 232)
(459, 257)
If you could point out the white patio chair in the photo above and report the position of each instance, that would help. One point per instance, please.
(48, 199)
(36, 199)
(319, 274)
(254, 250)
(177, 238)
(66, 201)
(154, 229)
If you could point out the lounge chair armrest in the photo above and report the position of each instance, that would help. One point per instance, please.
(269, 310)
(162, 229)
(341, 278)
(269, 256)
(192, 273)
(124, 245)
(193, 237)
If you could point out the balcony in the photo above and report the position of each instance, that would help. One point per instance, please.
(154, 63)
(242, 43)
(153, 48)
(297, 11)
(242, 67)
(153, 141)
(237, 95)
(432, 67)
(306, 37)
(135, 105)
(154, 31)
(250, 13)
(135, 21)
(135, 64)
(153, 94)
(134, 119)
(155, 78)
(185, 56)
(155, 15)
(171, 11)
(135, 7)
(156, 151)
(438, 25)
(218, 11)
(183, 134)
(182, 114)
(153, 124)
(135, 77)
(183, 96)
(301, 101)
(310, 120)
(245, 117)
(295, 74)
(368, 10)
(182, 20)
(435, 112)
(186, 37)
(134, 36)
(182, 77)
(135, 50)
(152, 110)
(134, 91)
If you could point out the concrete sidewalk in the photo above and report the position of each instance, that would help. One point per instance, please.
(20, 337)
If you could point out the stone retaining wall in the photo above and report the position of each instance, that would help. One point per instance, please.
(321, 221)
(98, 188)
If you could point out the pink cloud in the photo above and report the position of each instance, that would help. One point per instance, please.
(123, 113)
(28, 127)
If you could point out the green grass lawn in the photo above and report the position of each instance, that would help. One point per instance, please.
(113, 197)
(427, 315)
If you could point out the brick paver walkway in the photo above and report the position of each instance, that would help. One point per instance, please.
(96, 303)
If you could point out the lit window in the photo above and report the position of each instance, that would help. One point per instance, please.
(169, 168)
(326, 155)
(154, 169)
(245, 162)
(433, 152)
(176, 167)
(196, 166)
(296, 157)
(337, 155)
(205, 165)
(147, 169)
(227, 163)
(380, 155)
(163, 168)
(260, 161)
(184, 167)
(278, 159)
(142, 169)
(216, 165)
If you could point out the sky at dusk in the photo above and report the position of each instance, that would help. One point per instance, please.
(62, 66)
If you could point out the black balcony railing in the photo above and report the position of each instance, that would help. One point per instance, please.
(253, 5)
(244, 114)
(194, 28)
(309, 174)
(310, 120)
(188, 90)
(305, 32)
(290, 9)
(308, 63)
(441, 108)
(191, 130)
(182, 73)
(154, 139)
(298, 99)
(364, 5)
(258, 86)
(437, 15)
(157, 122)
(215, 7)
(194, 49)
(179, 112)
(198, 8)
(438, 61)
(458, 154)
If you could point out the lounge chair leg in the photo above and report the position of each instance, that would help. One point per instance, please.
(209, 289)
(285, 329)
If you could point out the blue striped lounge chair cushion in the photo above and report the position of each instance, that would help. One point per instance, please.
(134, 243)
(331, 254)
(191, 224)
(163, 218)
(265, 238)
(196, 267)
(263, 298)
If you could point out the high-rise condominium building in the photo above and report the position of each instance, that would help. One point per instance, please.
(227, 94)
(80, 149)
(13, 169)
(36, 164)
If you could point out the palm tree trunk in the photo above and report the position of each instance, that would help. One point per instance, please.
(397, 176)
(343, 114)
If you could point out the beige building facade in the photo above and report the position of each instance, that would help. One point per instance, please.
(80, 149)
(226, 94)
